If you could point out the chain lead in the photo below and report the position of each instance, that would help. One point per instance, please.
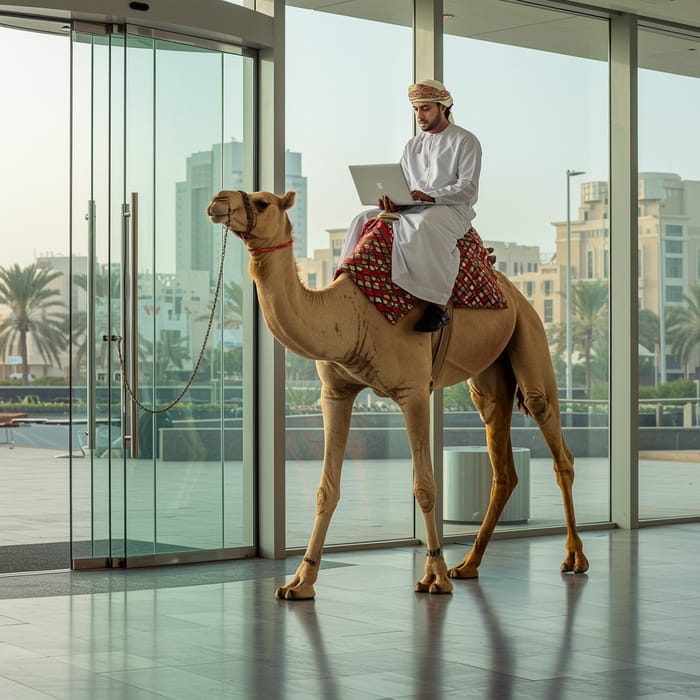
(178, 398)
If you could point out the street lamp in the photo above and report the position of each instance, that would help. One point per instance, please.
(569, 343)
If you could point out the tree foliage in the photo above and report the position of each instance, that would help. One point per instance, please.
(683, 327)
(36, 312)
(589, 327)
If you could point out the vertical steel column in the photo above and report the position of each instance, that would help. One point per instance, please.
(270, 394)
(427, 39)
(624, 304)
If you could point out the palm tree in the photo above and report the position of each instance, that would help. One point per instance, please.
(648, 329)
(106, 289)
(106, 293)
(683, 327)
(589, 307)
(36, 312)
(171, 353)
(233, 306)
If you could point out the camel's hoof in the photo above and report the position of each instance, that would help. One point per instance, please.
(463, 572)
(292, 594)
(578, 564)
(433, 587)
(445, 587)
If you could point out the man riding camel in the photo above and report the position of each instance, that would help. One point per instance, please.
(442, 165)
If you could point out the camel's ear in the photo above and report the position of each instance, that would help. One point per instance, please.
(287, 202)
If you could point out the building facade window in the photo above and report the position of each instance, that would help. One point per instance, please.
(606, 263)
(674, 267)
(674, 294)
(548, 316)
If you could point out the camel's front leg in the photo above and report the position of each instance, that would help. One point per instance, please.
(416, 413)
(337, 412)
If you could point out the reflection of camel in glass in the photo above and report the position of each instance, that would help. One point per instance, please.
(502, 352)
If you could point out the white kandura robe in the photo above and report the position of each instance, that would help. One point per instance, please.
(425, 259)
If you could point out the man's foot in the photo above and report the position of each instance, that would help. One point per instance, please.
(433, 319)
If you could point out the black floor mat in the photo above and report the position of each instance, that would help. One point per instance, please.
(48, 556)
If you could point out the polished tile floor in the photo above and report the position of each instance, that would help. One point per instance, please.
(630, 628)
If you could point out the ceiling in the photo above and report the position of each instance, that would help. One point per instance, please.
(540, 25)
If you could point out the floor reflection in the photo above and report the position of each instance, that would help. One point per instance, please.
(574, 585)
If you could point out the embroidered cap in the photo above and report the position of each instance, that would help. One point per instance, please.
(429, 91)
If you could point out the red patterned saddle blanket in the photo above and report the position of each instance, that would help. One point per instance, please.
(369, 265)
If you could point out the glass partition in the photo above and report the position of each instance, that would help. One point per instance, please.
(35, 437)
(355, 113)
(669, 275)
(541, 114)
(168, 468)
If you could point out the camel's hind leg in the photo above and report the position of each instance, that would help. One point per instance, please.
(336, 400)
(538, 397)
(492, 392)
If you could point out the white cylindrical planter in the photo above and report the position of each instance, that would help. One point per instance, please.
(467, 486)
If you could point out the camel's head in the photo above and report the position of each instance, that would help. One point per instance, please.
(258, 218)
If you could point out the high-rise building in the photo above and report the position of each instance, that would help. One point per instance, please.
(198, 246)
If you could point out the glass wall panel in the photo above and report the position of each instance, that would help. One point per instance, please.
(164, 468)
(188, 489)
(538, 102)
(345, 103)
(669, 275)
(34, 299)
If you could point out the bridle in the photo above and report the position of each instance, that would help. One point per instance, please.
(251, 219)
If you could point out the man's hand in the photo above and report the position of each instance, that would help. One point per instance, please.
(387, 205)
(419, 196)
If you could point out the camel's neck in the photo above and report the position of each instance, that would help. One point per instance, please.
(303, 320)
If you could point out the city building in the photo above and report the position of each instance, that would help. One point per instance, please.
(667, 262)
(318, 270)
(197, 245)
(669, 221)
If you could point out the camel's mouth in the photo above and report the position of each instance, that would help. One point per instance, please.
(218, 210)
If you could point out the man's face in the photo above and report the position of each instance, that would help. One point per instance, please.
(429, 115)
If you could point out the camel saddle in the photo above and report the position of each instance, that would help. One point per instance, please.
(369, 265)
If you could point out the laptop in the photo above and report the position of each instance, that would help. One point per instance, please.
(375, 181)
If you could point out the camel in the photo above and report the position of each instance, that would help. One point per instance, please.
(503, 353)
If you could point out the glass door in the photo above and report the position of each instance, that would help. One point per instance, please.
(159, 125)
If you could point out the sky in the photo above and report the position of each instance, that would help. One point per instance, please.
(536, 114)
(34, 143)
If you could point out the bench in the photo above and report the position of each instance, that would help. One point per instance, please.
(10, 421)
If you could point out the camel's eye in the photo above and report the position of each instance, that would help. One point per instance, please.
(261, 204)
